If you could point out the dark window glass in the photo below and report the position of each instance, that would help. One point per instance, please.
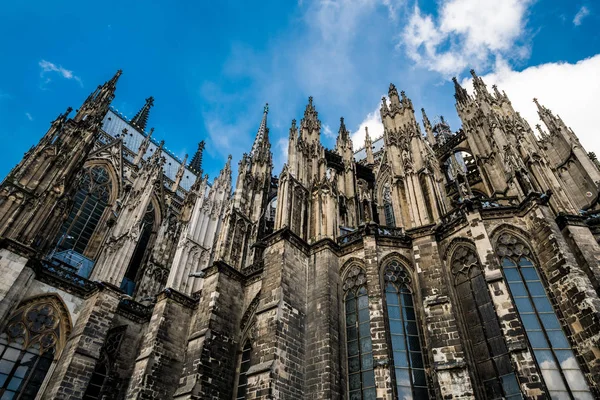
(485, 336)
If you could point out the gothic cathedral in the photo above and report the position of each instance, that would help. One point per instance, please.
(426, 265)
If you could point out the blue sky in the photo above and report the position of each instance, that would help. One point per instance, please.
(211, 66)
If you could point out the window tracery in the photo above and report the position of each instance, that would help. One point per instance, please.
(89, 204)
(485, 339)
(411, 382)
(550, 347)
(242, 386)
(359, 346)
(28, 345)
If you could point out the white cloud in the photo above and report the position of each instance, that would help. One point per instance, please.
(466, 33)
(581, 14)
(47, 67)
(569, 90)
(29, 117)
(371, 121)
(328, 132)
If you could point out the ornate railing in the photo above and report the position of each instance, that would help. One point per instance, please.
(132, 309)
(67, 277)
(498, 202)
(350, 237)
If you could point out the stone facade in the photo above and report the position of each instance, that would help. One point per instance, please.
(442, 265)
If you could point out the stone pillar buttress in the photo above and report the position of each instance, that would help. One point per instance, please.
(210, 362)
(160, 360)
(323, 337)
(280, 322)
(82, 350)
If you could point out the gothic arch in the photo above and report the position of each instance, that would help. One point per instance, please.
(115, 179)
(512, 230)
(400, 258)
(454, 245)
(346, 267)
(64, 322)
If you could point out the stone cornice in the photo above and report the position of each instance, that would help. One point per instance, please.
(176, 296)
(18, 248)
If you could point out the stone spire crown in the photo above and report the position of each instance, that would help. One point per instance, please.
(140, 120)
(196, 163)
(261, 142)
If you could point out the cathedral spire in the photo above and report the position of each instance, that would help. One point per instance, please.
(479, 85)
(262, 136)
(143, 147)
(141, 118)
(428, 128)
(343, 133)
(311, 118)
(369, 147)
(460, 93)
(196, 163)
(97, 103)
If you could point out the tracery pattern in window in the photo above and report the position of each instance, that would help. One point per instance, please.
(27, 348)
(409, 369)
(89, 204)
(487, 344)
(555, 358)
(244, 367)
(361, 378)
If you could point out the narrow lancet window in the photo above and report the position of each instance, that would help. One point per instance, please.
(359, 347)
(409, 369)
(485, 339)
(551, 349)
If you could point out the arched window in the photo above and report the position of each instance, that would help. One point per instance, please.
(411, 382)
(388, 209)
(484, 335)
(359, 347)
(89, 204)
(242, 387)
(28, 346)
(550, 346)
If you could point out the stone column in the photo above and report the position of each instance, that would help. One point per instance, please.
(382, 359)
(160, 360)
(280, 321)
(82, 350)
(323, 324)
(210, 359)
(583, 244)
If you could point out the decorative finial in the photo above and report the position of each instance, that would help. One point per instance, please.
(266, 110)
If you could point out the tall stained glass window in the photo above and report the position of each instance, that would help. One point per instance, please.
(27, 348)
(89, 204)
(551, 349)
(359, 347)
(409, 369)
(484, 335)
